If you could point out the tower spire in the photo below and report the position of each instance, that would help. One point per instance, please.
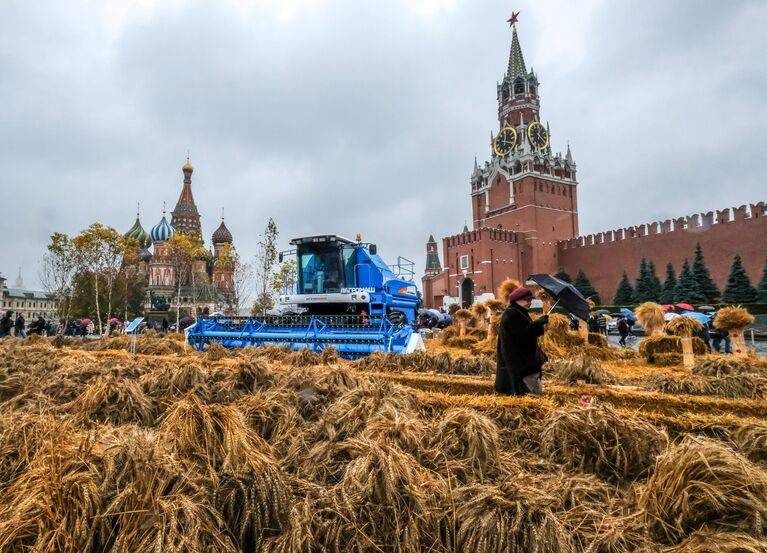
(516, 59)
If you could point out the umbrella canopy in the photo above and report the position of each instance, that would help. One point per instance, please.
(667, 307)
(700, 317)
(602, 311)
(565, 293)
(706, 308)
(669, 316)
(685, 306)
(86, 322)
(628, 313)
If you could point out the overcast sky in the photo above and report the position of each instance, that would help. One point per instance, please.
(345, 116)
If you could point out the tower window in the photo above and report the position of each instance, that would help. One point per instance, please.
(519, 86)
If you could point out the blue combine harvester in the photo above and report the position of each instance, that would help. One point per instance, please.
(346, 296)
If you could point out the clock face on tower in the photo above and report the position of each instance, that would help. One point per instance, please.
(505, 141)
(538, 136)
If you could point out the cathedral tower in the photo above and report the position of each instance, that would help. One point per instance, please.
(185, 217)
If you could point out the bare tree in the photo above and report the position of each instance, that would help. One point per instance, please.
(57, 273)
(181, 254)
(266, 258)
(242, 285)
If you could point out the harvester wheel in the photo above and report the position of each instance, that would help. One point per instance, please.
(396, 317)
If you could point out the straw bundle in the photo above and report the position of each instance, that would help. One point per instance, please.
(508, 517)
(751, 441)
(216, 352)
(684, 326)
(578, 368)
(650, 316)
(731, 386)
(599, 441)
(654, 347)
(734, 319)
(719, 365)
(389, 497)
(462, 342)
(598, 340)
(52, 506)
(706, 541)
(216, 437)
(272, 414)
(506, 288)
(701, 482)
(156, 501)
(113, 401)
(464, 444)
(481, 312)
(495, 306)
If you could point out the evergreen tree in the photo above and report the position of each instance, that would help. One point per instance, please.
(624, 294)
(702, 276)
(687, 289)
(739, 289)
(563, 275)
(584, 286)
(762, 288)
(668, 292)
(643, 289)
(654, 281)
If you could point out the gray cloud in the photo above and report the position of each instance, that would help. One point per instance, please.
(342, 116)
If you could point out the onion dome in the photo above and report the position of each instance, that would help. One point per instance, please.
(162, 230)
(222, 234)
(145, 255)
(187, 167)
(138, 234)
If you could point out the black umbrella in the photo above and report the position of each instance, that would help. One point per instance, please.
(565, 293)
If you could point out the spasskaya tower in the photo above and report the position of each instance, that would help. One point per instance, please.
(523, 198)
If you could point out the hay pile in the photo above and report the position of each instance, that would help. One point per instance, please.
(667, 350)
(266, 450)
(700, 484)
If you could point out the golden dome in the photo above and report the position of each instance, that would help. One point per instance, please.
(187, 167)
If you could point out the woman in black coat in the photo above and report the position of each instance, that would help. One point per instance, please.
(518, 352)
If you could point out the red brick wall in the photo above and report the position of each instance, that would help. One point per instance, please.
(604, 256)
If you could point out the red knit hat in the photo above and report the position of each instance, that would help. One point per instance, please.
(520, 293)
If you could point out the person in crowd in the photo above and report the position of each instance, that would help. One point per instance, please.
(6, 324)
(704, 335)
(38, 327)
(519, 357)
(593, 323)
(574, 323)
(602, 324)
(20, 326)
(623, 330)
(165, 325)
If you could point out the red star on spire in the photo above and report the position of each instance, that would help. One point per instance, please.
(513, 19)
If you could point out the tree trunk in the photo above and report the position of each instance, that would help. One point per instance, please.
(110, 288)
(98, 305)
(178, 299)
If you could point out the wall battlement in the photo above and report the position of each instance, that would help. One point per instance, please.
(484, 233)
(691, 224)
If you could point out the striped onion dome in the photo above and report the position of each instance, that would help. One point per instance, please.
(222, 234)
(162, 230)
(138, 234)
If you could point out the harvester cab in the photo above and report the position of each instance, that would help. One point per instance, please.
(345, 296)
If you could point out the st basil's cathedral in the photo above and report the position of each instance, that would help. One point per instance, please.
(209, 287)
